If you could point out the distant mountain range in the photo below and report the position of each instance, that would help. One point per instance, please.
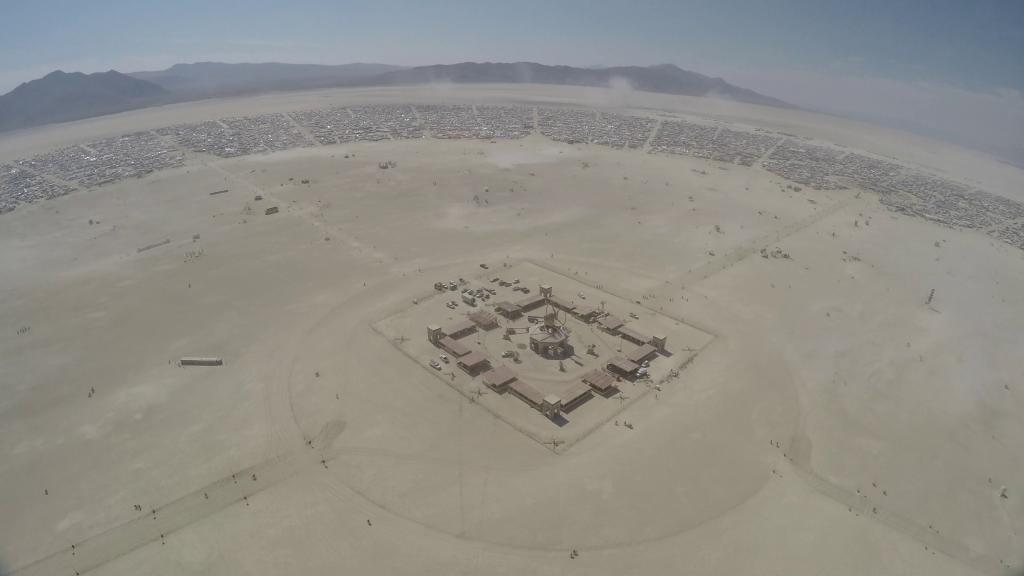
(214, 79)
(61, 97)
(665, 78)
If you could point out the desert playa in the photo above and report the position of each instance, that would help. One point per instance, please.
(838, 391)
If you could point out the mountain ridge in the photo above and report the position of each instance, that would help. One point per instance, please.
(65, 96)
(215, 79)
(61, 96)
(661, 78)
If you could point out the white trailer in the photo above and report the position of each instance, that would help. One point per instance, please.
(200, 361)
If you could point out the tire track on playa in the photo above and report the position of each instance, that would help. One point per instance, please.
(953, 549)
(931, 539)
(709, 268)
(332, 231)
(351, 313)
(284, 432)
(401, 527)
(286, 452)
(754, 245)
(160, 523)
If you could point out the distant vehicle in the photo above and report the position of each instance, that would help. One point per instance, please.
(495, 279)
(435, 364)
(444, 358)
(484, 266)
(524, 290)
(439, 286)
(468, 299)
(453, 286)
(634, 316)
(515, 280)
(581, 295)
(507, 354)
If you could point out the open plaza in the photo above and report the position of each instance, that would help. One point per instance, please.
(555, 360)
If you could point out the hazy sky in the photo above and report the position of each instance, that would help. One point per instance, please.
(820, 53)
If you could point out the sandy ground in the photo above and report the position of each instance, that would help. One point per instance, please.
(836, 424)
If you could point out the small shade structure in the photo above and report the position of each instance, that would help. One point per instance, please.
(499, 378)
(527, 393)
(633, 336)
(586, 313)
(561, 304)
(623, 367)
(576, 397)
(460, 329)
(508, 310)
(602, 382)
(474, 363)
(484, 320)
(531, 302)
(641, 353)
(453, 346)
(611, 323)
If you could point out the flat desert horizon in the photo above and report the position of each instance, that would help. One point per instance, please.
(838, 390)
